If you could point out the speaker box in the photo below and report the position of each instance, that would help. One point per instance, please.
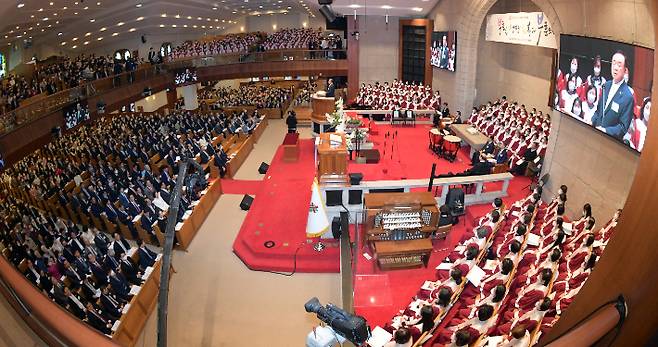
(335, 227)
(355, 178)
(262, 169)
(246, 202)
(328, 13)
(355, 197)
(334, 197)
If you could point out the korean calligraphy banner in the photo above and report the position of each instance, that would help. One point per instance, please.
(523, 28)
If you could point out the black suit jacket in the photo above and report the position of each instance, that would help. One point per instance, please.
(617, 117)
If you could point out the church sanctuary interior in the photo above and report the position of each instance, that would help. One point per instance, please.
(322, 173)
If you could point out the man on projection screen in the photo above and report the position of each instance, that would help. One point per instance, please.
(615, 108)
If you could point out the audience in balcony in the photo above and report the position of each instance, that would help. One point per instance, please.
(227, 44)
(290, 38)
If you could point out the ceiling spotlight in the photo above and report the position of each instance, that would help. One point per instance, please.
(138, 5)
(103, 29)
(59, 33)
(92, 20)
(132, 29)
(120, 24)
(74, 46)
(20, 5)
(115, 34)
(140, 18)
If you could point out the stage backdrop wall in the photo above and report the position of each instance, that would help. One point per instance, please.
(522, 72)
(378, 49)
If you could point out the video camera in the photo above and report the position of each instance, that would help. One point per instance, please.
(349, 326)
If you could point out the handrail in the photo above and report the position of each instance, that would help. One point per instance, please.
(258, 57)
(23, 115)
(68, 328)
(592, 330)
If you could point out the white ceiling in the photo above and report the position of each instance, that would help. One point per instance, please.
(397, 8)
(74, 22)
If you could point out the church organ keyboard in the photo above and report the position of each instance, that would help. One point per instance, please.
(399, 226)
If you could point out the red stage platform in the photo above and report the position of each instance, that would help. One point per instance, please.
(279, 214)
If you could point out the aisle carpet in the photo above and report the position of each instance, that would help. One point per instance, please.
(231, 186)
(279, 214)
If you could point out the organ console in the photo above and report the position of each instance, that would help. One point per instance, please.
(398, 227)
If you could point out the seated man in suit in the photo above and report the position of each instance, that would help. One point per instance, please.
(146, 256)
(614, 112)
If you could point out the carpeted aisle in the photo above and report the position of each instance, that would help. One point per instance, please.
(279, 214)
(231, 186)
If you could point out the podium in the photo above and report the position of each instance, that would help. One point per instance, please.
(321, 105)
(332, 160)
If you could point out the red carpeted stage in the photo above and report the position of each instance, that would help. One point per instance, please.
(279, 214)
(280, 210)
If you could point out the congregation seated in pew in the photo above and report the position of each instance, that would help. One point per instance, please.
(531, 266)
(78, 268)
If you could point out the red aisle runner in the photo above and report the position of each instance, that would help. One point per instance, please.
(279, 214)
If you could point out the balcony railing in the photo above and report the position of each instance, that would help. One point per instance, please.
(32, 111)
(257, 57)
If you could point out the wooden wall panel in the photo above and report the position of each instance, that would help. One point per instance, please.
(630, 262)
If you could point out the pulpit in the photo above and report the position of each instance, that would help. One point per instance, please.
(321, 106)
(332, 158)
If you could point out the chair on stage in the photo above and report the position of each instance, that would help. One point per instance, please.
(410, 117)
(397, 117)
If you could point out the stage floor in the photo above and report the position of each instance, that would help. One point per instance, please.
(282, 197)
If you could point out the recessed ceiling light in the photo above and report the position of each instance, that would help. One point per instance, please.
(86, 42)
(63, 43)
(115, 34)
(194, 26)
(417, 9)
(189, 17)
(92, 20)
(74, 39)
(162, 26)
(86, 8)
(184, 25)
(65, 8)
(20, 5)
(140, 18)
(173, 25)
(51, 3)
(132, 29)
(74, 46)
(31, 16)
(100, 38)
(87, 34)
(214, 8)
(387, 7)
(40, 10)
(59, 33)
(103, 29)
(98, 3)
(120, 24)
(164, 15)
(138, 5)
(45, 18)
(177, 16)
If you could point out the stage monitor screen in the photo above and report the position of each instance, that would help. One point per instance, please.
(75, 114)
(444, 50)
(185, 77)
(606, 85)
